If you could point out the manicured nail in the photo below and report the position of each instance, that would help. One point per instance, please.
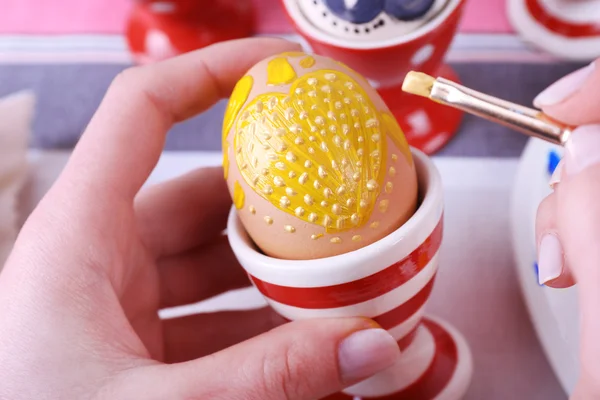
(550, 259)
(365, 353)
(556, 175)
(583, 149)
(563, 88)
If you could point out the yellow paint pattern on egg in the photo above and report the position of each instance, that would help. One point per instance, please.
(225, 159)
(236, 101)
(397, 136)
(280, 72)
(328, 135)
(307, 62)
(238, 195)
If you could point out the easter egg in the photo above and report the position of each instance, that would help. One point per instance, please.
(315, 162)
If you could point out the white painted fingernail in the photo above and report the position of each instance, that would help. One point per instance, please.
(550, 259)
(563, 88)
(556, 175)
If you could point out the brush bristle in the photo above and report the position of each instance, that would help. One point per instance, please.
(418, 83)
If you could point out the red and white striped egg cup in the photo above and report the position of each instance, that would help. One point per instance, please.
(564, 28)
(428, 126)
(388, 281)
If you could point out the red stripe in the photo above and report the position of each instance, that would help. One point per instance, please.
(408, 338)
(434, 379)
(558, 26)
(364, 289)
(406, 310)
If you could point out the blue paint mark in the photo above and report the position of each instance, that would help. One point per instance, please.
(537, 273)
(553, 160)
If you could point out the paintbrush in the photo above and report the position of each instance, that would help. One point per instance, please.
(526, 120)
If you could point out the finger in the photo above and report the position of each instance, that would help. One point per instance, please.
(578, 220)
(124, 139)
(575, 98)
(199, 274)
(300, 360)
(552, 266)
(183, 213)
(199, 335)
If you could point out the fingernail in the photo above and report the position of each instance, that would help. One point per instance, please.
(583, 149)
(563, 88)
(556, 175)
(365, 353)
(550, 259)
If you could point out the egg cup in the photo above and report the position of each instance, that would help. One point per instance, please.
(385, 62)
(389, 281)
(564, 28)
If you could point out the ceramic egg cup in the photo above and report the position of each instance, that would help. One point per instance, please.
(389, 281)
(574, 37)
(428, 126)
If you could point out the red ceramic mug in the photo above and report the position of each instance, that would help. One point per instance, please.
(386, 59)
(160, 29)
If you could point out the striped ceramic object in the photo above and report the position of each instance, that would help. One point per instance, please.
(565, 28)
(389, 281)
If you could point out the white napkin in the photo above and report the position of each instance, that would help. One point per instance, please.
(16, 116)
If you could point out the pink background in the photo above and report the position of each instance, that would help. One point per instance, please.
(109, 16)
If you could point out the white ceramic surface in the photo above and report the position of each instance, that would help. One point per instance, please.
(317, 13)
(577, 11)
(554, 312)
(578, 49)
(311, 30)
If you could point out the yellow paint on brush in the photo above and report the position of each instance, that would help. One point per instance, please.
(307, 62)
(236, 101)
(280, 72)
(238, 195)
(315, 153)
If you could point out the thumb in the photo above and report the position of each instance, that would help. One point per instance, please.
(578, 223)
(302, 360)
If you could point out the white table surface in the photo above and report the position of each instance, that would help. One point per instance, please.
(476, 289)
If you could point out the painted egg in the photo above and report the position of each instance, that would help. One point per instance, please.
(315, 162)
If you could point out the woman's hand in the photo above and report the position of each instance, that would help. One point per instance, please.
(568, 221)
(96, 260)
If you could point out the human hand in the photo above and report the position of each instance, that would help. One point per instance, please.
(568, 221)
(96, 260)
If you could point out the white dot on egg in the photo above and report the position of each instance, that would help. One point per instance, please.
(422, 55)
